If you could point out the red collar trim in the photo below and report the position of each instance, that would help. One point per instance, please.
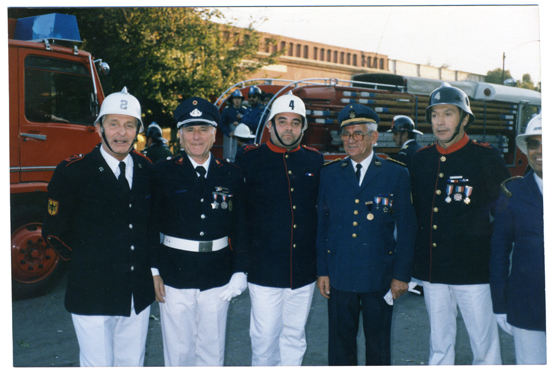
(453, 148)
(278, 149)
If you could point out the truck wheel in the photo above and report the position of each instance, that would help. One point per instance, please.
(35, 266)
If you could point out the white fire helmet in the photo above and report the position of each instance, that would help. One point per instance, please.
(243, 131)
(121, 103)
(289, 104)
(534, 128)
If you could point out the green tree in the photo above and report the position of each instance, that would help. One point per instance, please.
(164, 55)
(495, 76)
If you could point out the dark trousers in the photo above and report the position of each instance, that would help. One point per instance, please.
(343, 315)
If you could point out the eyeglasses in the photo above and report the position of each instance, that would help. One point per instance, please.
(357, 136)
(533, 144)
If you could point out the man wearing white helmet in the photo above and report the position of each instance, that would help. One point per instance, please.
(98, 216)
(282, 178)
(517, 282)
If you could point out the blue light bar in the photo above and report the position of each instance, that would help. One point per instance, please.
(53, 26)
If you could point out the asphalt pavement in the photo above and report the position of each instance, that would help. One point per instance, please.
(43, 334)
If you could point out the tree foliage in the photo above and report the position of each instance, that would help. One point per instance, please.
(164, 55)
(495, 76)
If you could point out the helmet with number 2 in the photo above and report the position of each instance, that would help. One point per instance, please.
(121, 103)
(289, 104)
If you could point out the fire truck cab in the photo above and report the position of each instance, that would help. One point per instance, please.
(501, 112)
(54, 98)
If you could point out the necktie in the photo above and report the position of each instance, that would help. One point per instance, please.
(122, 177)
(358, 172)
(201, 171)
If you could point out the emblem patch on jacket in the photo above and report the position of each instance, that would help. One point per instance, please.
(53, 207)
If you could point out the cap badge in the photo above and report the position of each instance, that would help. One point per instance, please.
(196, 113)
(195, 102)
(352, 114)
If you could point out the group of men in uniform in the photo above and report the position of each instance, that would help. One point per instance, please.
(194, 231)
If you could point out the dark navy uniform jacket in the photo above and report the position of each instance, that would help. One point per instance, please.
(157, 151)
(183, 209)
(281, 192)
(106, 230)
(359, 254)
(228, 117)
(252, 117)
(452, 244)
(406, 153)
(518, 224)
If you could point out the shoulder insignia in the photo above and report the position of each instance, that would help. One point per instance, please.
(179, 160)
(143, 156)
(426, 146)
(250, 147)
(505, 190)
(332, 161)
(311, 149)
(485, 144)
(396, 161)
(74, 158)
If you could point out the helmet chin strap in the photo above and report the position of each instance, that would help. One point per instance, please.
(281, 141)
(107, 142)
(457, 129)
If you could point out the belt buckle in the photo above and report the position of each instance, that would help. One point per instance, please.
(205, 246)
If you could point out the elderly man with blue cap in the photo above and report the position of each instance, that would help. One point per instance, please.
(200, 259)
(365, 240)
(517, 281)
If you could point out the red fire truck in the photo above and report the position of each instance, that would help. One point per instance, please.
(501, 112)
(55, 94)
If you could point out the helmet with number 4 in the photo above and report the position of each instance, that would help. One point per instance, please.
(289, 104)
(121, 103)
(447, 94)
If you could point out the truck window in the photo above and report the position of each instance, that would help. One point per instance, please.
(527, 113)
(58, 91)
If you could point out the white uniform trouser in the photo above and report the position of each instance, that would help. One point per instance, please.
(112, 341)
(530, 346)
(277, 324)
(193, 326)
(476, 308)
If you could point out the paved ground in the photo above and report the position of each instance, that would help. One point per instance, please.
(43, 335)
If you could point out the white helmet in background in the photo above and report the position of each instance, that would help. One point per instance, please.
(121, 103)
(243, 131)
(289, 104)
(534, 128)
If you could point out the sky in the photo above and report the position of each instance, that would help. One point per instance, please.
(466, 38)
(471, 38)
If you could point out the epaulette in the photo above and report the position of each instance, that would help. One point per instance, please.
(396, 161)
(331, 162)
(485, 144)
(426, 146)
(505, 190)
(250, 147)
(141, 155)
(74, 158)
(311, 149)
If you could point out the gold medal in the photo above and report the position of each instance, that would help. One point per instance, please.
(370, 216)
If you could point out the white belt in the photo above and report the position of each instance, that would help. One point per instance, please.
(196, 246)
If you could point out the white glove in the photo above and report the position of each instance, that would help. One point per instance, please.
(389, 296)
(236, 286)
(501, 320)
